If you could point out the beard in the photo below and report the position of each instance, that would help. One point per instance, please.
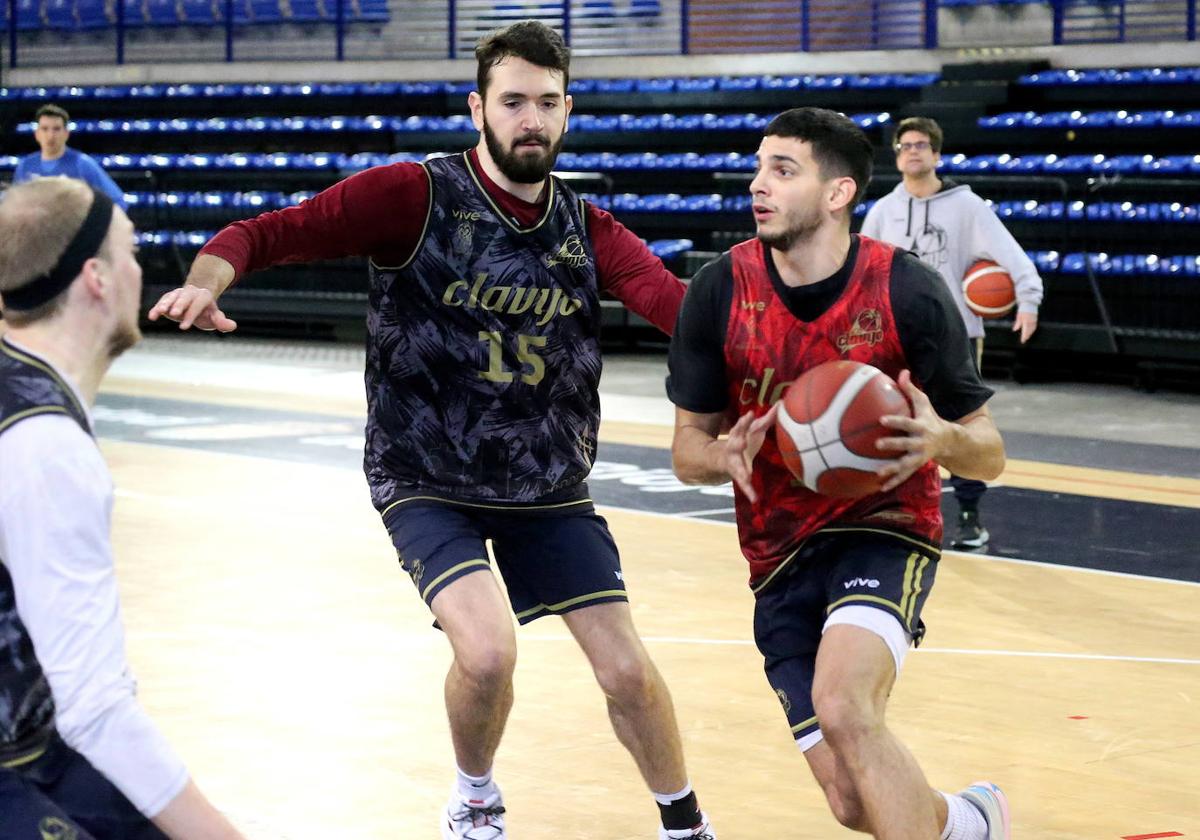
(124, 337)
(801, 225)
(523, 167)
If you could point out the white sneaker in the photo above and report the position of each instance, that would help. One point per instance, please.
(703, 831)
(993, 804)
(473, 819)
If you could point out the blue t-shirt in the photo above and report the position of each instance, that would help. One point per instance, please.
(73, 164)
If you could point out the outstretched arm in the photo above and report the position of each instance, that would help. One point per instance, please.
(195, 302)
(378, 213)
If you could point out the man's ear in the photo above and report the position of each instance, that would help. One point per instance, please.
(475, 103)
(568, 103)
(95, 283)
(842, 194)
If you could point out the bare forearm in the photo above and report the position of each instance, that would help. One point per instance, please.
(973, 449)
(698, 457)
(211, 272)
(190, 816)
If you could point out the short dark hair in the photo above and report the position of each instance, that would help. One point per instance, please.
(925, 125)
(839, 147)
(531, 40)
(50, 110)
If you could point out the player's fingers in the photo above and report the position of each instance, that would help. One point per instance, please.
(900, 423)
(184, 298)
(164, 304)
(763, 423)
(194, 309)
(906, 443)
(902, 471)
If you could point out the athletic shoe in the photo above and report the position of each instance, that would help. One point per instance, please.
(993, 804)
(703, 831)
(473, 819)
(972, 536)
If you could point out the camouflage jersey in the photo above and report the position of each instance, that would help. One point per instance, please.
(28, 388)
(483, 354)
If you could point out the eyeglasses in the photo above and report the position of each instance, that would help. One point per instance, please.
(918, 146)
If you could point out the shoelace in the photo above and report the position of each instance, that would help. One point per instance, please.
(469, 812)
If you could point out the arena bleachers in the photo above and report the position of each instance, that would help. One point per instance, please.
(1103, 192)
(66, 16)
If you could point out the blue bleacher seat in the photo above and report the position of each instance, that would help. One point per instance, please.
(162, 12)
(645, 8)
(310, 11)
(266, 11)
(29, 15)
(372, 11)
(92, 14)
(593, 9)
(202, 12)
(60, 14)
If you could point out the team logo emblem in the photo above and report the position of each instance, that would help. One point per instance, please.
(571, 253)
(463, 236)
(866, 329)
(783, 700)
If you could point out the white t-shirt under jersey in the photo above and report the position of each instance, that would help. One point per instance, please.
(56, 498)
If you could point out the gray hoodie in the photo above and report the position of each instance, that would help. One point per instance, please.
(949, 230)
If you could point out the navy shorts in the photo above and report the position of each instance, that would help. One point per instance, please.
(834, 570)
(553, 560)
(61, 796)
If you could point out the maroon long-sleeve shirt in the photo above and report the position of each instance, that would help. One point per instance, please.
(380, 213)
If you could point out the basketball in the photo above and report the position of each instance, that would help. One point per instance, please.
(988, 289)
(828, 425)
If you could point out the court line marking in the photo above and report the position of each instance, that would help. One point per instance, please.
(1033, 654)
(689, 514)
(970, 555)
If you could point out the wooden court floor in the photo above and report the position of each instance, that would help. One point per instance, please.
(287, 658)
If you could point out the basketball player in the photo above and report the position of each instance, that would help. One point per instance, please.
(839, 583)
(79, 758)
(482, 371)
(949, 227)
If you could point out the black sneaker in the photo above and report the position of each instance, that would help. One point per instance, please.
(972, 536)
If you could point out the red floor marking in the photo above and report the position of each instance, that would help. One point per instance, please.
(1151, 836)
(1079, 717)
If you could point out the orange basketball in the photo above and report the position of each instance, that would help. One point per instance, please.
(828, 425)
(989, 289)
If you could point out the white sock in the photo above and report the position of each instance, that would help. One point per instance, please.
(476, 787)
(963, 820)
(668, 798)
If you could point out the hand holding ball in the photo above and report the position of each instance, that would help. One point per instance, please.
(828, 424)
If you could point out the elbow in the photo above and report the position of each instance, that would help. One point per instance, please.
(994, 465)
(685, 468)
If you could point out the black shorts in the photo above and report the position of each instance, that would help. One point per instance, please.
(553, 559)
(60, 795)
(833, 570)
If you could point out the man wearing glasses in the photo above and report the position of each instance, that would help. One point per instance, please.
(949, 227)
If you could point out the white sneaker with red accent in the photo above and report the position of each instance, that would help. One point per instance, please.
(993, 804)
(703, 831)
(473, 819)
